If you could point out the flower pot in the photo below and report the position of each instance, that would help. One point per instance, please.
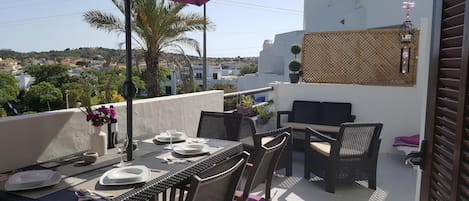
(246, 111)
(294, 77)
(98, 141)
(262, 121)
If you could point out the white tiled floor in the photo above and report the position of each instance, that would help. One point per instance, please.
(395, 182)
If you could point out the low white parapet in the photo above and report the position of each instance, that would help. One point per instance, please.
(29, 139)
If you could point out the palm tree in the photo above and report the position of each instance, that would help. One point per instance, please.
(157, 25)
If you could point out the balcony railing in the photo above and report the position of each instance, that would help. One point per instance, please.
(239, 94)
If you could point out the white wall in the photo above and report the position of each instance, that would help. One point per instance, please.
(400, 109)
(326, 15)
(28, 139)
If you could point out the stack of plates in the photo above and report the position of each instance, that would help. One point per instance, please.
(32, 179)
(191, 149)
(174, 137)
(125, 175)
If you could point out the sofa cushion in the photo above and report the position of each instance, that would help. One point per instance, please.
(317, 127)
(306, 112)
(333, 114)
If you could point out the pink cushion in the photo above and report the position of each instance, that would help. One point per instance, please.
(409, 141)
(252, 197)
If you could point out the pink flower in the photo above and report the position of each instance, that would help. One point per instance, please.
(113, 113)
(100, 116)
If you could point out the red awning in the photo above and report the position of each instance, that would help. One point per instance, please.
(195, 2)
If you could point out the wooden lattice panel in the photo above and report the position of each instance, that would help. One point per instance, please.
(370, 57)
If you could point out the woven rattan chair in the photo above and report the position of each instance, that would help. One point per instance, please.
(247, 131)
(352, 156)
(219, 182)
(219, 125)
(265, 160)
(286, 157)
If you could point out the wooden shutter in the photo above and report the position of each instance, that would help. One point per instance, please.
(446, 170)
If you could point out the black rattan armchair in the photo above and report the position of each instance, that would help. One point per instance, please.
(219, 182)
(258, 139)
(353, 155)
(219, 125)
(265, 159)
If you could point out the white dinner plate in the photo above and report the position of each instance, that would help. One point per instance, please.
(164, 137)
(125, 175)
(30, 178)
(191, 149)
(54, 178)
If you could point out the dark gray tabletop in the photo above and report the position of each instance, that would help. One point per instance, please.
(146, 155)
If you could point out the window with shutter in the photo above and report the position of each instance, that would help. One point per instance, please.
(446, 170)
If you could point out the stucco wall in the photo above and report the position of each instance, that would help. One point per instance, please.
(326, 15)
(27, 139)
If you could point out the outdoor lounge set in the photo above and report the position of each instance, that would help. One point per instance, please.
(335, 148)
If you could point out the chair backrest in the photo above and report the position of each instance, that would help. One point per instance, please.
(355, 140)
(265, 161)
(247, 131)
(305, 112)
(219, 182)
(219, 125)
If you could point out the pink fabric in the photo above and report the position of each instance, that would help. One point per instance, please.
(409, 141)
(255, 198)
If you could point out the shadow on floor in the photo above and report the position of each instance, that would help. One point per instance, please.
(396, 182)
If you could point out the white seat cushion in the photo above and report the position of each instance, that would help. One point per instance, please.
(317, 127)
(264, 140)
(323, 148)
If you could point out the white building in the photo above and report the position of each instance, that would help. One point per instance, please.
(25, 80)
(215, 75)
(328, 15)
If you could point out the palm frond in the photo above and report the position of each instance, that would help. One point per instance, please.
(104, 21)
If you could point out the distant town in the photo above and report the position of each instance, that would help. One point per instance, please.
(95, 75)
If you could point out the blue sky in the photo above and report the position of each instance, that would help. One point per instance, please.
(241, 25)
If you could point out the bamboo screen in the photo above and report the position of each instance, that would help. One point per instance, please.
(370, 57)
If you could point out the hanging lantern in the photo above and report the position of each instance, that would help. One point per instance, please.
(406, 36)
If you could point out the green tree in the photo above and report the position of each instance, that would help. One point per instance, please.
(76, 93)
(43, 95)
(247, 69)
(9, 89)
(56, 74)
(157, 25)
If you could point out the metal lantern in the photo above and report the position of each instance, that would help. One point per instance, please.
(406, 36)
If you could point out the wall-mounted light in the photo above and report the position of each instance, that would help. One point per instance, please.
(406, 35)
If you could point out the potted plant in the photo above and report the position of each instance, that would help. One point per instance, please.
(245, 106)
(295, 65)
(263, 114)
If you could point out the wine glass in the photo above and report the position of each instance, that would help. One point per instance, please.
(171, 136)
(121, 147)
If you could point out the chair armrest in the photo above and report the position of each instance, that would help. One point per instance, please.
(279, 114)
(311, 132)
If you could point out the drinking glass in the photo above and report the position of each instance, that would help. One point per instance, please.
(121, 147)
(171, 136)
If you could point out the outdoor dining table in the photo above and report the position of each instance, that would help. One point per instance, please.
(152, 155)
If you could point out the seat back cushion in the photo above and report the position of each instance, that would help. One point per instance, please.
(333, 114)
(306, 112)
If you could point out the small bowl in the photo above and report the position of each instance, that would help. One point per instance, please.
(90, 157)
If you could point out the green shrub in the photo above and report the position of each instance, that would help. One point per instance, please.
(295, 49)
(294, 65)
